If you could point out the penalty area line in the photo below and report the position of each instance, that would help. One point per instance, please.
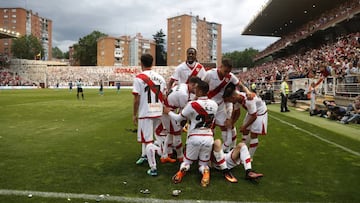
(69, 196)
(316, 136)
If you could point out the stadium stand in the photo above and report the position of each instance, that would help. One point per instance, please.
(49, 74)
(317, 38)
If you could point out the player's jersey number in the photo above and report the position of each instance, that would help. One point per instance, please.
(205, 121)
(149, 90)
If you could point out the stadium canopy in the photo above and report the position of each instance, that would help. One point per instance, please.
(281, 17)
(8, 34)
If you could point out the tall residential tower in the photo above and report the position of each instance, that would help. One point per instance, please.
(124, 50)
(186, 31)
(25, 22)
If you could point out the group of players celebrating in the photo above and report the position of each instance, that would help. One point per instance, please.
(204, 100)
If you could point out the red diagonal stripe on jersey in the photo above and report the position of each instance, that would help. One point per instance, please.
(200, 110)
(194, 72)
(215, 91)
(151, 84)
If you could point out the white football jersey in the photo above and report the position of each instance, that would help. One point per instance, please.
(212, 78)
(178, 96)
(201, 114)
(184, 71)
(256, 105)
(150, 105)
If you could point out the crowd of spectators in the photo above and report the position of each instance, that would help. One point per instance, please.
(10, 78)
(91, 75)
(345, 10)
(339, 59)
(30, 73)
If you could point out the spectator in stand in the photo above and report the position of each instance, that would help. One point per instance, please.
(352, 112)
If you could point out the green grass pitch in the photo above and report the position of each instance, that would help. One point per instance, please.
(52, 142)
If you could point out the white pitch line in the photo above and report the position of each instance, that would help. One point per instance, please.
(98, 198)
(316, 136)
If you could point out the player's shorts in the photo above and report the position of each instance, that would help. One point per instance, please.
(79, 89)
(160, 135)
(199, 147)
(146, 129)
(171, 126)
(221, 115)
(259, 126)
(231, 163)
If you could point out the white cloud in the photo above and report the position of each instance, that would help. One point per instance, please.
(75, 19)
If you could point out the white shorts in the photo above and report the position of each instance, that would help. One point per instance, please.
(146, 129)
(199, 147)
(171, 126)
(259, 126)
(231, 163)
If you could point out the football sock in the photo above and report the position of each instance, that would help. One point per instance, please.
(245, 139)
(202, 168)
(150, 153)
(225, 145)
(253, 145)
(245, 157)
(220, 159)
(143, 149)
(178, 146)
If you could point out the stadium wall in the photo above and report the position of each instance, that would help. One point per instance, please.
(51, 74)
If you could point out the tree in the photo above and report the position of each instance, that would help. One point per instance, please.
(242, 58)
(86, 49)
(66, 55)
(160, 59)
(27, 47)
(57, 53)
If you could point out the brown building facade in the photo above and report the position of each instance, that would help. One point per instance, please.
(124, 50)
(25, 22)
(186, 31)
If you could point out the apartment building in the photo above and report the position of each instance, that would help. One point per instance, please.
(186, 31)
(124, 50)
(26, 22)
